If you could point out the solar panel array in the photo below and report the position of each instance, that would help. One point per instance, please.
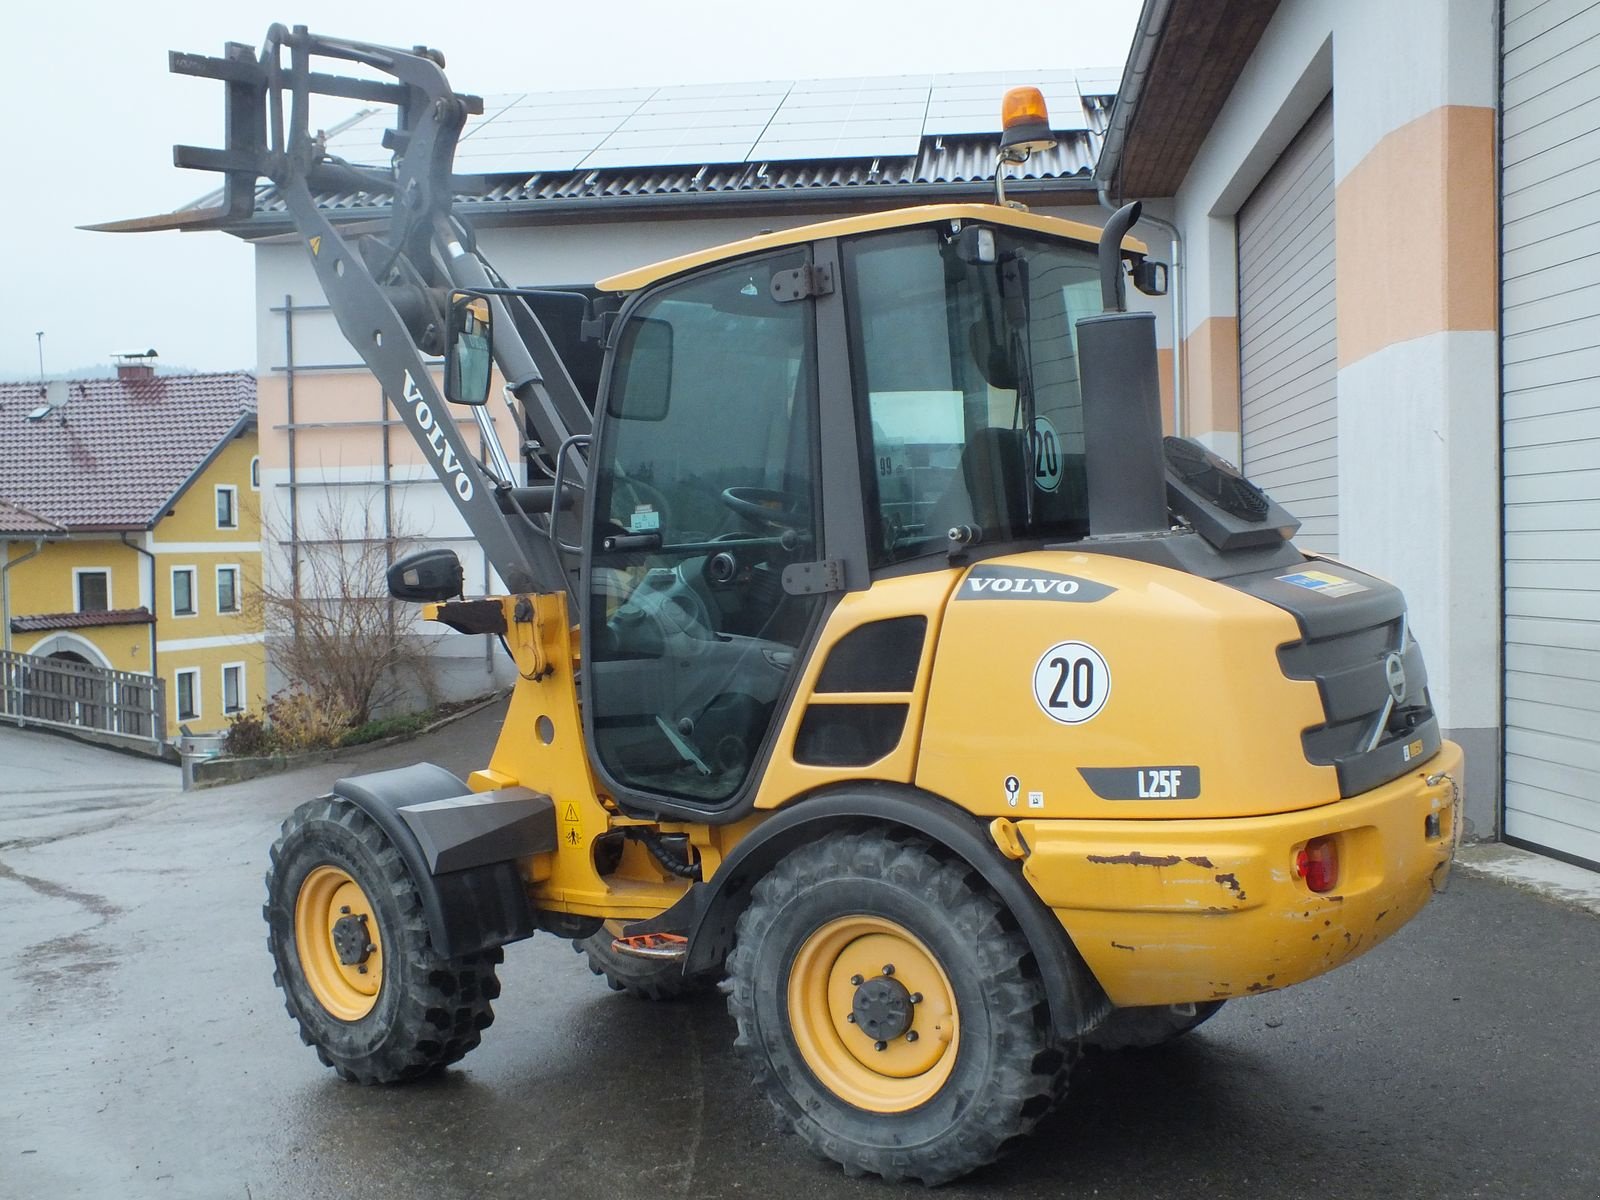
(877, 117)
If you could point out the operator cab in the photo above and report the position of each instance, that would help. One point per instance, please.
(926, 369)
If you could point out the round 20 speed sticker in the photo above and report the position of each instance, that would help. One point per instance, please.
(1071, 682)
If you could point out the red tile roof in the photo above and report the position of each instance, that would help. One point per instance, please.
(41, 622)
(16, 519)
(116, 454)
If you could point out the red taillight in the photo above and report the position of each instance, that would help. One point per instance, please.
(1318, 864)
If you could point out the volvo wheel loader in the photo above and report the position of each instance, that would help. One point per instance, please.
(876, 655)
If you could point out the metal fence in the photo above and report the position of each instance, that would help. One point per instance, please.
(66, 695)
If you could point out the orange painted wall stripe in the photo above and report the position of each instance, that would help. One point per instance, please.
(1211, 355)
(1415, 243)
(1164, 374)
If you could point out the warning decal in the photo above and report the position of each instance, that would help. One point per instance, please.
(571, 831)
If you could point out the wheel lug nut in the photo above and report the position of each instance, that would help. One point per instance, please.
(856, 981)
(362, 969)
(888, 968)
(880, 1045)
(344, 910)
(915, 997)
(851, 1017)
(911, 1035)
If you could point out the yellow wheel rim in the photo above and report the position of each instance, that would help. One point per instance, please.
(348, 990)
(822, 992)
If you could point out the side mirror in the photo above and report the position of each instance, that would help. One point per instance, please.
(641, 387)
(427, 575)
(468, 352)
(1150, 277)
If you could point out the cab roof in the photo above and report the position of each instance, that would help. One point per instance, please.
(926, 214)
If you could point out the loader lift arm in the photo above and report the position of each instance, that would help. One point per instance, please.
(389, 293)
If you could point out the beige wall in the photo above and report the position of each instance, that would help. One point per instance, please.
(1414, 95)
(1415, 251)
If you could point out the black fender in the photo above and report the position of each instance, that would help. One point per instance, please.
(711, 910)
(460, 849)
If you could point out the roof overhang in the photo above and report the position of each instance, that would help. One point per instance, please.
(18, 524)
(1070, 190)
(1186, 57)
(245, 423)
(50, 622)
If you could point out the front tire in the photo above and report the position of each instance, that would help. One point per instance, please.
(890, 1010)
(353, 957)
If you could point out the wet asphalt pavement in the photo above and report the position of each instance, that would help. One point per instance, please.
(145, 1051)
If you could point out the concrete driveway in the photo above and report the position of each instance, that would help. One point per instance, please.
(48, 777)
(146, 1053)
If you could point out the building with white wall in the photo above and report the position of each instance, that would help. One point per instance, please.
(1390, 298)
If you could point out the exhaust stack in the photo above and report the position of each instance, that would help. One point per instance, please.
(1127, 486)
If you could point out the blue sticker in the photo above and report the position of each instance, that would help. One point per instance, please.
(1323, 583)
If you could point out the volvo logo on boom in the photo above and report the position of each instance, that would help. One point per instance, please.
(434, 432)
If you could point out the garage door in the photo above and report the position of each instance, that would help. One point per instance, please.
(1288, 349)
(1551, 327)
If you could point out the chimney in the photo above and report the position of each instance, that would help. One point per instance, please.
(136, 364)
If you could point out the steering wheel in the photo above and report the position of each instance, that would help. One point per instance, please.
(769, 507)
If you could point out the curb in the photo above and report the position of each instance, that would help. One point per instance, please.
(214, 772)
(1547, 878)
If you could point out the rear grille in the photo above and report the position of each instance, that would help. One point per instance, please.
(1369, 737)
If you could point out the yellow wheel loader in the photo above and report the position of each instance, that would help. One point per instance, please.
(875, 654)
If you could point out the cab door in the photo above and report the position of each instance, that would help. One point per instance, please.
(705, 488)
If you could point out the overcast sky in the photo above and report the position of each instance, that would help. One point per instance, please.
(94, 114)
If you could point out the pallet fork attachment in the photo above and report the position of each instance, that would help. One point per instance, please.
(389, 292)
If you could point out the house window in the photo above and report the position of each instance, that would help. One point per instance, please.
(227, 589)
(227, 507)
(92, 589)
(183, 592)
(255, 474)
(188, 683)
(233, 688)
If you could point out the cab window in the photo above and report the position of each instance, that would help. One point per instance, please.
(704, 493)
(969, 374)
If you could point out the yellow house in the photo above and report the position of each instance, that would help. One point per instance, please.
(130, 533)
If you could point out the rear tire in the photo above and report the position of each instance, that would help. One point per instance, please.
(642, 978)
(924, 1072)
(411, 1011)
(1147, 1028)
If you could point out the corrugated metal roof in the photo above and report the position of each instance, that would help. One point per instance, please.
(943, 165)
(119, 450)
(44, 622)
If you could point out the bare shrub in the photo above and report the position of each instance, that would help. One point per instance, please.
(338, 636)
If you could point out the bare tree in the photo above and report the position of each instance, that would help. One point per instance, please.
(334, 630)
